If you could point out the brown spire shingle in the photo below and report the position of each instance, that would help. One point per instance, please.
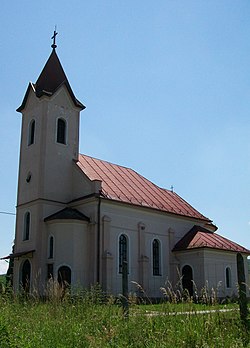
(50, 79)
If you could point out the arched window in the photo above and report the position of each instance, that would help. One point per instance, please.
(64, 276)
(26, 230)
(31, 136)
(228, 277)
(123, 250)
(51, 247)
(61, 131)
(156, 257)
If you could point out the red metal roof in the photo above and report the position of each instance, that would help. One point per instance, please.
(125, 185)
(199, 237)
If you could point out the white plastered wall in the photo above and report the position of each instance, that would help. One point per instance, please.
(209, 270)
(119, 219)
(71, 245)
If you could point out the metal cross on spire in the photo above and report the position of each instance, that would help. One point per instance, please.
(54, 39)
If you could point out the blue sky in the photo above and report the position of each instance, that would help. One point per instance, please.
(167, 89)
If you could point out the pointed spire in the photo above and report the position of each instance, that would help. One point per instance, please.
(51, 78)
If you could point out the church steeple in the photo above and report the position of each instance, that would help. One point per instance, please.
(51, 78)
(50, 135)
(48, 151)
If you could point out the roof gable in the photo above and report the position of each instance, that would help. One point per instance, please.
(67, 214)
(199, 237)
(125, 185)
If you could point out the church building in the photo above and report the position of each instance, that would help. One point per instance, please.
(78, 217)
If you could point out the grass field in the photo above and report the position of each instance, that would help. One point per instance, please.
(86, 322)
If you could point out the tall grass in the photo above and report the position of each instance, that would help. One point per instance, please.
(86, 320)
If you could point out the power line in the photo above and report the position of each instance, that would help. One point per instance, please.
(6, 213)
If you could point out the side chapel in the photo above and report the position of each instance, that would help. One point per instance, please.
(78, 217)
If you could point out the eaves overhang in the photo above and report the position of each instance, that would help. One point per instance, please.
(49, 81)
(154, 209)
(199, 237)
(19, 254)
(67, 214)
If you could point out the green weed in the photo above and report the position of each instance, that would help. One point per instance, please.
(87, 319)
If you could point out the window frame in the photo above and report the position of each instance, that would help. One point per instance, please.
(123, 249)
(228, 277)
(31, 132)
(51, 247)
(27, 226)
(50, 271)
(156, 258)
(61, 133)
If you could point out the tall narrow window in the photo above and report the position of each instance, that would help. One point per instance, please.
(51, 247)
(156, 257)
(25, 276)
(61, 131)
(228, 278)
(31, 136)
(26, 232)
(123, 250)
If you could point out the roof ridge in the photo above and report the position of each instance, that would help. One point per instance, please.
(154, 187)
(124, 184)
(96, 172)
(99, 159)
(200, 237)
(187, 204)
(132, 171)
(230, 241)
(123, 166)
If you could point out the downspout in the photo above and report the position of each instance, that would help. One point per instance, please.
(98, 238)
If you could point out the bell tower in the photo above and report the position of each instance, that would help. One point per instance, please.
(49, 146)
(50, 135)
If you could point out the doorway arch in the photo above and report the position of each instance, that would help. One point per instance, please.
(64, 276)
(187, 279)
(25, 276)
